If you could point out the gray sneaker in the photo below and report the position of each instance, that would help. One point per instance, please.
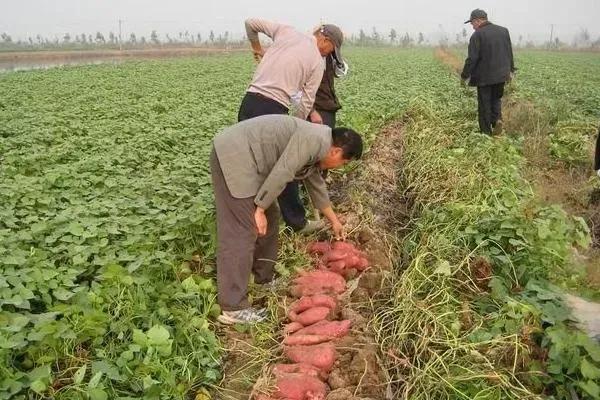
(246, 316)
(312, 227)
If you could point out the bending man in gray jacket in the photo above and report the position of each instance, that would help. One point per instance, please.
(251, 163)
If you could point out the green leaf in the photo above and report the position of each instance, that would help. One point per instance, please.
(139, 337)
(97, 394)
(95, 380)
(38, 386)
(79, 374)
(589, 370)
(158, 335)
(591, 388)
(62, 294)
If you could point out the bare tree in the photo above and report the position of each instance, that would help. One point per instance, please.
(67, 38)
(154, 37)
(132, 38)
(393, 35)
(100, 38)
(421, 38)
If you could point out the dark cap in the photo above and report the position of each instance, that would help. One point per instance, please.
(476, 14)
(333, 33)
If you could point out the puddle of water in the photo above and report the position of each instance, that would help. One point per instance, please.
(13, 66)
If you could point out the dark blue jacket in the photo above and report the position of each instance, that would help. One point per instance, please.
(490, 59)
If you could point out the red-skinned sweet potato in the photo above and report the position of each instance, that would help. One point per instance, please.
(332, 329)
(300, 387)
(292, 327)
(319, 248)
(310, 316)
(304, 340)
(321, 356)
(307, 302)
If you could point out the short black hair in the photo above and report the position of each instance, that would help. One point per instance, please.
(349, 141)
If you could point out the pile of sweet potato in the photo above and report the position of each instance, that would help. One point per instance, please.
(310, 334)
(340, 257)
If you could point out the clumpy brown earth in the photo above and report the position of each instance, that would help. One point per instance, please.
(375, 212)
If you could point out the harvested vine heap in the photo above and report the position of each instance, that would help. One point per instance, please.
(309, 337)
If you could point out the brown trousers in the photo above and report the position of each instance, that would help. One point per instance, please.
(239, 249)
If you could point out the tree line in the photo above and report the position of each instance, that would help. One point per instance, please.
(582, 40)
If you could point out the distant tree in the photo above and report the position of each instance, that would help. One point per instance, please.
(83, 38)
(6, 38)
(181, 36)
(112, 38)
(362, 37)
(90, 40)
(132, 38)
(464, 35)
(143, 40)
(393, 35)
(421, 38)
(199, 38)
(520, 40)
(582, 39)
(557, 42)
(375, 36)
(226, 37)
(67, 38)
(596, 43)
(458, 41)
(30, 39)
(406, 40)
(186, 34)
(169, 38)
(100, 38)
(154, 37)
(211, 36)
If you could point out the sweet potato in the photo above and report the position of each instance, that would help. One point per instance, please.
(363, 264)
(344, 246)
(300, 387)
(331, 329)
(307, 302)
(321, 278)
(321, 356)
(319, 248)
(306, 369)
(336, 266)
(334, 255)
(292, 327)
(310, 316)
(303, 340)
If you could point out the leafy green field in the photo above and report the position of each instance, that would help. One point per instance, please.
(107, 231)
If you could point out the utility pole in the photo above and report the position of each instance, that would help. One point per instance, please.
(551, 34)
(120, 41)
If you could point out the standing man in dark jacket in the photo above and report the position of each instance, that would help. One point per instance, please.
(488, 66)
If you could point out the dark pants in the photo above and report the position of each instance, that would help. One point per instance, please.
(290, 203)
(240, 251)
(489, 106)
(255, 105)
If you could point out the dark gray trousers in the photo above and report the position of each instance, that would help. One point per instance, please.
(240, 251)
(489, 106)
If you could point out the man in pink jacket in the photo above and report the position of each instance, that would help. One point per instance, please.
(287, 78)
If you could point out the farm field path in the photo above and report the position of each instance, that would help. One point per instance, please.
(375, 212)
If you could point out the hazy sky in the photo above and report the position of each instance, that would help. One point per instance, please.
(530, 18)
